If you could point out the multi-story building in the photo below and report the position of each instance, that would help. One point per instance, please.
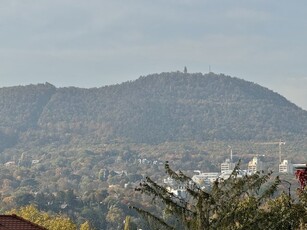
(255, 165)
(286, 167)
(228, 165)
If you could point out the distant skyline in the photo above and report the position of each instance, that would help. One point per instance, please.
(96, 43)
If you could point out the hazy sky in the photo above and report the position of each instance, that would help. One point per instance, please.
(94, 43)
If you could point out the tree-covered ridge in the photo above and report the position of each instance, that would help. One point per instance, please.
(162, 107)
(21, 106)
(20, 109)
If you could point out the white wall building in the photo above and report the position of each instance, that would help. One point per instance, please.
(255, 165)
(239, 174)
(180, 191)
(205, 177)
(228, 165)
(286, 167)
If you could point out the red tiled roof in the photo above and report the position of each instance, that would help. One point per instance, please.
(14, 222)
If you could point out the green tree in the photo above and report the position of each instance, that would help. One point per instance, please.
(240, 202)
(115, 217)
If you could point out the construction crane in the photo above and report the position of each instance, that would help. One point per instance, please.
(279, 143)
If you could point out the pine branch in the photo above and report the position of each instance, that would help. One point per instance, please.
(152, 218)
(271, 190)
(177, 176)
(173, 203)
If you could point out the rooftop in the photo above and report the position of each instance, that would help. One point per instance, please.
(14, 222)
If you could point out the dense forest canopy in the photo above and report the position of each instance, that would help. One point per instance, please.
(162, 107)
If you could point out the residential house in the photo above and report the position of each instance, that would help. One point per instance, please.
(14, 222)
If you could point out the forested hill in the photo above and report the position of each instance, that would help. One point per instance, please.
(153, 109)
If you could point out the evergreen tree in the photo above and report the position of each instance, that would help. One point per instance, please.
(247, 202)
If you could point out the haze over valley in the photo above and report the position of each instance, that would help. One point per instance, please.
(105, 102)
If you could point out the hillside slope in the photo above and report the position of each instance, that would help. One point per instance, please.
(153, 109)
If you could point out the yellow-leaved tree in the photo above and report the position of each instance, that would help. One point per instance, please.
(51, 222)
(85, 226)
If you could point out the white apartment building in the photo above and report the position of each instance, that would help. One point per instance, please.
(227, 166)
(286, 167)
(255, 165)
